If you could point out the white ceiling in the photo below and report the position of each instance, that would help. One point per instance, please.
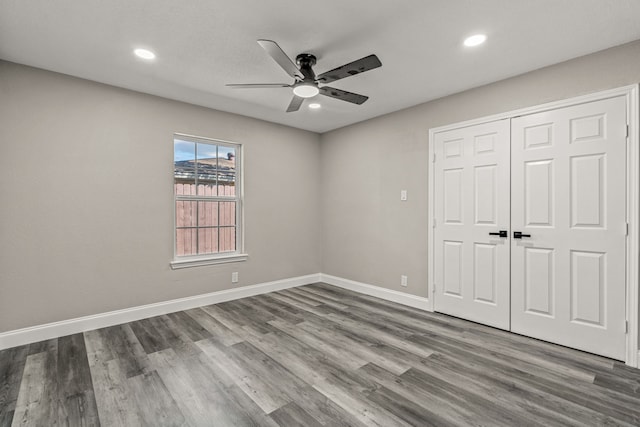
(203, 44)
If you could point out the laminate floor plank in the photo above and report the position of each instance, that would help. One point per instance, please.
(388, 351)
(315, 355)
(261, 391)
(305, 362)
(304, 292)
(323, 409)
(333, 351)
(406, 410)
(290, 293)
(236, 318)
(124, 345)
(38, 399)
(242, 410)
(382, 321)
(174, 336)
(114, 397)
(276, 308)
(148, 336)
(395, 317)
(189, 327)
(198, 405)
(217, 330)
(625, 371)
(291, 415)
(12, 363)
(155, 405)
(77, 403)
(316, 309)
(350, 391)
(377, 334)
(348, 344)
(293, 297)
(565, 359)
(47, 345)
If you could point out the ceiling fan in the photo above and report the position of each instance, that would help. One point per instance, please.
(307, 84)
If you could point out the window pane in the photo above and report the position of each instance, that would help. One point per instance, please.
(207, 214)
(227, 213)
(185, 241)
(184, 154)
(207, 169)
(226, 171)
(227, 239)
(207, 240)
(186, 214)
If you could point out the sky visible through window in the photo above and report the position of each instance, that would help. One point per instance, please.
(185, 150)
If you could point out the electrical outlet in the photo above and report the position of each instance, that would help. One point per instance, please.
(234, 277)
(403, 195)
(403, 280)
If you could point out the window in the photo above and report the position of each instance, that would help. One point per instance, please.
(208, 201)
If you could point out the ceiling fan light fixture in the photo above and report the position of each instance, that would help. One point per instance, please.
(144, 54)
(475, 40)
(306, 90)
(314, 106)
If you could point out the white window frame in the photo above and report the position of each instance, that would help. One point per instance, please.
(218, 257)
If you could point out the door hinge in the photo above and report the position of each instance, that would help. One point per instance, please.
(433, 158)
(434, 223)
(627, 135)
(626, 326)
(627, 230)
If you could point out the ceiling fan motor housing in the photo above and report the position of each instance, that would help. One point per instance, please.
(305, 61)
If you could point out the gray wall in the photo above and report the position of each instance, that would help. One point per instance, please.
(372, 237)
(86, 198)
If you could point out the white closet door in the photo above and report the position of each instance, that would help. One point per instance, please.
(472, 200)
(568, 194)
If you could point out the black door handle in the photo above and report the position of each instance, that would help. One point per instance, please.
(519, 235)
(501, 233)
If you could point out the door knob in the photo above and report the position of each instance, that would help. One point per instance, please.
(519, 235)
(501, 233)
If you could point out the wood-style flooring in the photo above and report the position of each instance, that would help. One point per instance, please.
(310, 356)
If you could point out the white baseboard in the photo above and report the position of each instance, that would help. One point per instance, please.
(379, 292)
(81, 324)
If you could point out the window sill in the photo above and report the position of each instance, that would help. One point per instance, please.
(200, 261)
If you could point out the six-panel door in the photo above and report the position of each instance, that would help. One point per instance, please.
(568, 193)
(559, 179)
(472, 200)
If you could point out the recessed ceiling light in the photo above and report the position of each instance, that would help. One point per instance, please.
(475, 40)
(306, 90)
(314, 106)
(144, 53)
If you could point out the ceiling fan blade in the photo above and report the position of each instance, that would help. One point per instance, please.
(257, 85)
(280, 57)
(343, 95)
(295, 104)
(351, 69)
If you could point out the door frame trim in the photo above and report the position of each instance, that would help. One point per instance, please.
(630, 93)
